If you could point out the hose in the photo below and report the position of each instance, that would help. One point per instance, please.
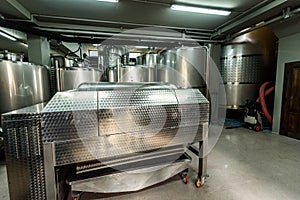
(262, 94)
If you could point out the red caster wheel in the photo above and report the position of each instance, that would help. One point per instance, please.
(257, 128)
(185, 179)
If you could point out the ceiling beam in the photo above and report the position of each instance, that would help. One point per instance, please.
(20, 8)
(248, 17)
(70, 27)
(118, 23)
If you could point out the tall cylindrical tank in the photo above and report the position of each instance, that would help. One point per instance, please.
(71, 78)
(22, 84)
(143, 72)
(138, 73)
(247, 62)
(183, 67)
(64, 77)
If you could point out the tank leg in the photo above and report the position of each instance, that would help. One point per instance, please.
(201, 177)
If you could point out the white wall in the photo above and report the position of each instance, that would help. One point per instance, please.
(288, 51)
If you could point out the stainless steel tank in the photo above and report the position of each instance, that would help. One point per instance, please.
(113, 74)
(150, 59)
(71, 78)
(138, 73)
(183, 67)
(22, 84)
(247, 62)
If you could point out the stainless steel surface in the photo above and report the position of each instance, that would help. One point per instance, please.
(183, 67)
(131, 181)
(22, 84)
(139, 60)
(68, 79)
(104, 86)
(138, 73)
(248, 59)
(238, 94)
(49, 159)
(110, 56)
(104, 125)
(150, 59)
(24, 153)
(113, 74)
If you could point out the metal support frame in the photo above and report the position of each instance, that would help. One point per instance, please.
(38, 49)
(49, 163)
(200, 152)
(20, 8)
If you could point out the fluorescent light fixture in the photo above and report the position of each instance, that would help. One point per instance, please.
(111, 1)
(200, 10)
(24, 44)
(7, 36)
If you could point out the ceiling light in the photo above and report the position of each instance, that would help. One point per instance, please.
(111, 1)
(7, 36)
(200, 10)
(24, 44)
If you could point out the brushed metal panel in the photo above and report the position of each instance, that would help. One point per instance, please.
(238, 94)
(71, 79)
(24, 154)
(22, 84)
(182, 67)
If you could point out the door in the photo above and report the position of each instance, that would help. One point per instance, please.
(290, 111)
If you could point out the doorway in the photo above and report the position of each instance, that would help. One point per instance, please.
(290, 110)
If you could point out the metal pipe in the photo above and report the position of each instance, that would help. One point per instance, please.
(120, 23)
(271, 21)
(136, 37)
(198, 33)
(243, 14)
(251, 16)
(105, 86)
(115, 41)
(132, 35)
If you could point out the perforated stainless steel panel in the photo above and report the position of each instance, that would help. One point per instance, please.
(84, 124)
(246, 69)
(24, 154)
(87, 125)
(114, 145)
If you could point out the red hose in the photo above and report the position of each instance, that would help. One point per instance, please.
(262, 94)
(269, 91)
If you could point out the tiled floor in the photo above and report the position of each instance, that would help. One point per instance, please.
(244, 165)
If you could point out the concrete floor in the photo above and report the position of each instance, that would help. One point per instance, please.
(244, 165)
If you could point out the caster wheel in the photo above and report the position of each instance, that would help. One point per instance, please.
(198, 182)
(257, 128)
(76, 196)
(185, 179)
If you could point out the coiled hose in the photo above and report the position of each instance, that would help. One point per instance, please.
(261, 99)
